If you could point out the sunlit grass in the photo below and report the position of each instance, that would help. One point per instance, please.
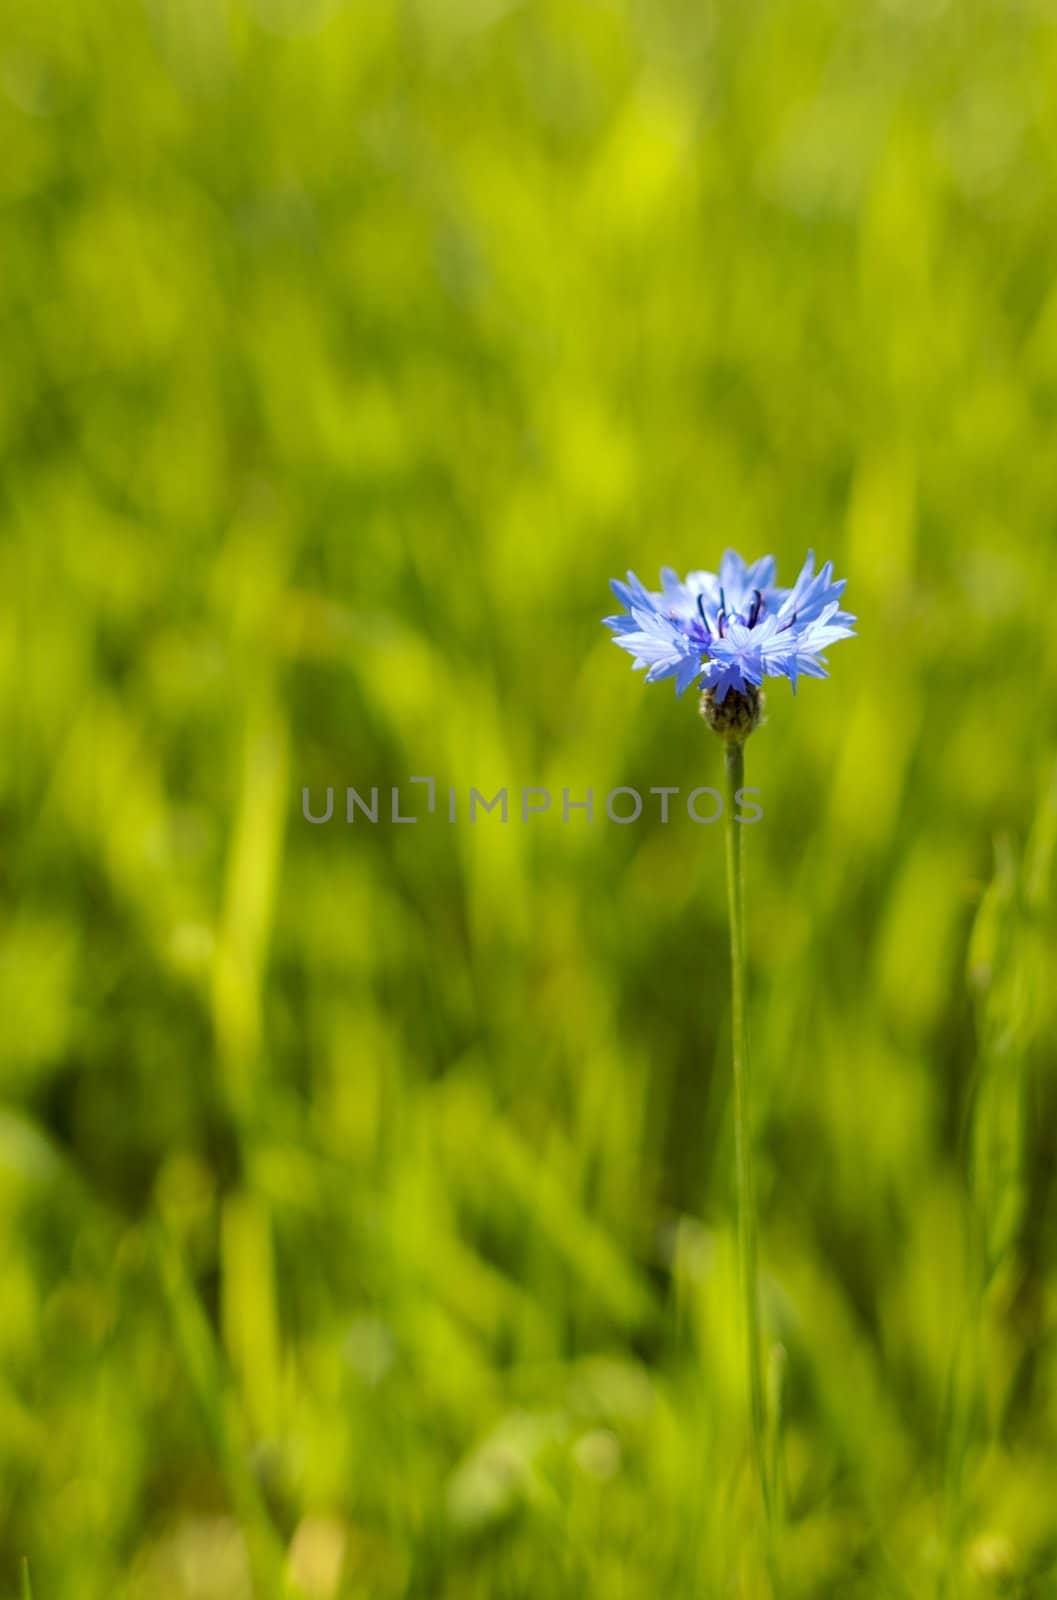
(366, 1206)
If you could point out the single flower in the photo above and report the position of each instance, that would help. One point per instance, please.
(729, 630)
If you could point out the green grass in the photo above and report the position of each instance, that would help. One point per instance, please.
(367, 1193)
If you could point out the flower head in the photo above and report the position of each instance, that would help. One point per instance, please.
(729, 630)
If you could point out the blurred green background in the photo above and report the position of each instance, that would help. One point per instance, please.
(366, 1192)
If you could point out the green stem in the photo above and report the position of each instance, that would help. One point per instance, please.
(743, 1139)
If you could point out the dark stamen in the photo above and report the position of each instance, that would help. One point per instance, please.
(789, 624)
(756, 608)
(701, 614)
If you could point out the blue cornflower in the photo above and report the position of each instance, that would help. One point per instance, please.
(729, 630)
